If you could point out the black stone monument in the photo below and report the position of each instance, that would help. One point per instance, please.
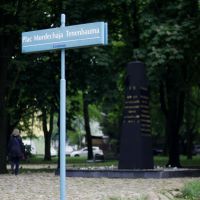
(136, 142)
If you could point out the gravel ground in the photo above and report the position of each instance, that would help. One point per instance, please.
(45, 186)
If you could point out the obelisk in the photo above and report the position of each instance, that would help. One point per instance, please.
(136, 141)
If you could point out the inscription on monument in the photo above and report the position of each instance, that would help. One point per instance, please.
(136, 109)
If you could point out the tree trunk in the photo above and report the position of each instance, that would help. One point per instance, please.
(174, 120)
(190, 122)
(135, 21)
(47, 150)
(3, 139)
(47, 134)
(173, 136)
(163, 107)
(172, 99)
(87, 127)
(189, 147)
(4, 62)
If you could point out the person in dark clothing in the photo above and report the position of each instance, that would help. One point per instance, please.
(15, 150)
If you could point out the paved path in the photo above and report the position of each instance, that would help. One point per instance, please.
(45, 186)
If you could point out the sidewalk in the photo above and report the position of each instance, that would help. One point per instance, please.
(45, 186)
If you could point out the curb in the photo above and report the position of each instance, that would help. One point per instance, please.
(157, 174)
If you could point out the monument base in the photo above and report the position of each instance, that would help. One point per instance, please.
(149, 173)
(137, 154)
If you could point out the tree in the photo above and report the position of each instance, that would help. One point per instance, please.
(86, 66)
(169, 37)
(190, 127)
(14, 17)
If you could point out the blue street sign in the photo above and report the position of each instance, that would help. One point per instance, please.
(65, 37)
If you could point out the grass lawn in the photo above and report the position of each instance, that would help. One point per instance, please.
(82, 162)
(191, 191)
(194, 162)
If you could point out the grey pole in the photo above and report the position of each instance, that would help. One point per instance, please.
(62, 120)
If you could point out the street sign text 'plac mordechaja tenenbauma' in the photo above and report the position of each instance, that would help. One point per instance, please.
(65, 37)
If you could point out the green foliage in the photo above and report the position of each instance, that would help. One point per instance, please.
(118, 198)
(168, 45)
(191, 190)
(75, 137)
(16, 18)
(167, 40)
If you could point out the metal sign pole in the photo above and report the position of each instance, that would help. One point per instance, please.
(64, 37)
(62, 120)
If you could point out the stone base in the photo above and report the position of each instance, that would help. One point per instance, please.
(137, 155)
(163, 173)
